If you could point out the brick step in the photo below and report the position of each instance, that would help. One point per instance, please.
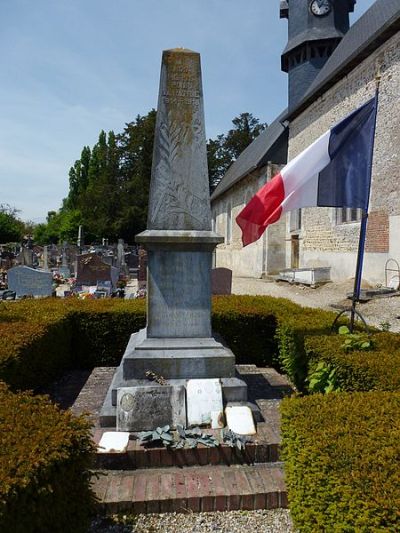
(209, 488)
(264, 448)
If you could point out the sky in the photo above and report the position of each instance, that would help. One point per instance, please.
(70, 68)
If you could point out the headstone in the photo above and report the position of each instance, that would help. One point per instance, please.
(113, 442)
(221, 281)
(25, 257)
(204, 396)
(45, 259)
(145, 408)
(91, 270)
(26, 281)
(120, 253)
(239, 419)
(81, 240)
(142, 270)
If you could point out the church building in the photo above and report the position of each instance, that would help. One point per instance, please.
(332, 69)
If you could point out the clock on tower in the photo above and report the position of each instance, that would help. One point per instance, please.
(315, 29)
(320, 8)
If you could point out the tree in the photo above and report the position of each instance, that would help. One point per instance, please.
(109, 185)
(11, 227)
(225, 149)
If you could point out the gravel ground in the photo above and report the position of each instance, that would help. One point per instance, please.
(375, 312)
(275, 521)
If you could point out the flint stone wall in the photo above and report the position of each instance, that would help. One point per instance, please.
(265, 256)
(323, 242)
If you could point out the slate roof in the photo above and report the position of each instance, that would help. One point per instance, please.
(256, 155)
(379, 23)
(312, 34)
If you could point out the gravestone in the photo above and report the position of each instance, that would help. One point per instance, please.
(81, 240)
(177, 343)
(91, 270)
(64, 269)
(221, 280)
(204, 397)
(142, 268)
(25, 257)
(26, 281)
(141, 408)
(45, 259)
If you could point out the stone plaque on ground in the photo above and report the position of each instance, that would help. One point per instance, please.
(239, 419)
(144, 408)
(221, 281)
(204, 396)
(113, 442)
(26, 281)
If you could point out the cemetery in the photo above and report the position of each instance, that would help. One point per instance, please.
(180, 401)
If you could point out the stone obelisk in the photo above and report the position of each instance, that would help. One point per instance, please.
(178, 343)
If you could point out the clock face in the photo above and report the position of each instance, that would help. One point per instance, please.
(320, 7)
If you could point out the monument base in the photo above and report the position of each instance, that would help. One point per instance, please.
(176, 358)
(174, 361)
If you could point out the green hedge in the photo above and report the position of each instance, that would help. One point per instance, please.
(342, 454)
(45, 455)
(40, 339)
(265, 330)
(375, 369)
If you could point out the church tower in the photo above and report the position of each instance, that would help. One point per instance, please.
(315, 29)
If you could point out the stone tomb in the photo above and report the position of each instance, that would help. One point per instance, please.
(26, 281)
(149, 407)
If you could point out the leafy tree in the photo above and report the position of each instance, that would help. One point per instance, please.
(11, 227)
(223, 150)
(109, 184)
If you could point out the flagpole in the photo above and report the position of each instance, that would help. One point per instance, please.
(363, 225)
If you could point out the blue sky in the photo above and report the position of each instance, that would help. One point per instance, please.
(73, 67)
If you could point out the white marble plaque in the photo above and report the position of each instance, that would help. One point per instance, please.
(113, 442)
(203, 396)
(239, 419)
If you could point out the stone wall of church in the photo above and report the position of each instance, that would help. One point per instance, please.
(265, 256)
(323, 239)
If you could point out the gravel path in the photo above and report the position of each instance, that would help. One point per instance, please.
(375, 312)
(275, 521)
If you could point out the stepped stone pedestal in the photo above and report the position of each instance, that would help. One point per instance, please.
(178, 343)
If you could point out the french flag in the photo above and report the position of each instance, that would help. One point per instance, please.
(334, 171)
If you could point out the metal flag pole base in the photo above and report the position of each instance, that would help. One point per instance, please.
(353, 312)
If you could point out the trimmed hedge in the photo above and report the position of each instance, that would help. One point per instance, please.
(41, 339)
(375, 369)
(44, 478)
(342, 454)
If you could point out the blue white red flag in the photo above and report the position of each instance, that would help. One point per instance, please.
(334, 171)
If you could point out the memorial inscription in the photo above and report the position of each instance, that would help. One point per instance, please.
(144, 408)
